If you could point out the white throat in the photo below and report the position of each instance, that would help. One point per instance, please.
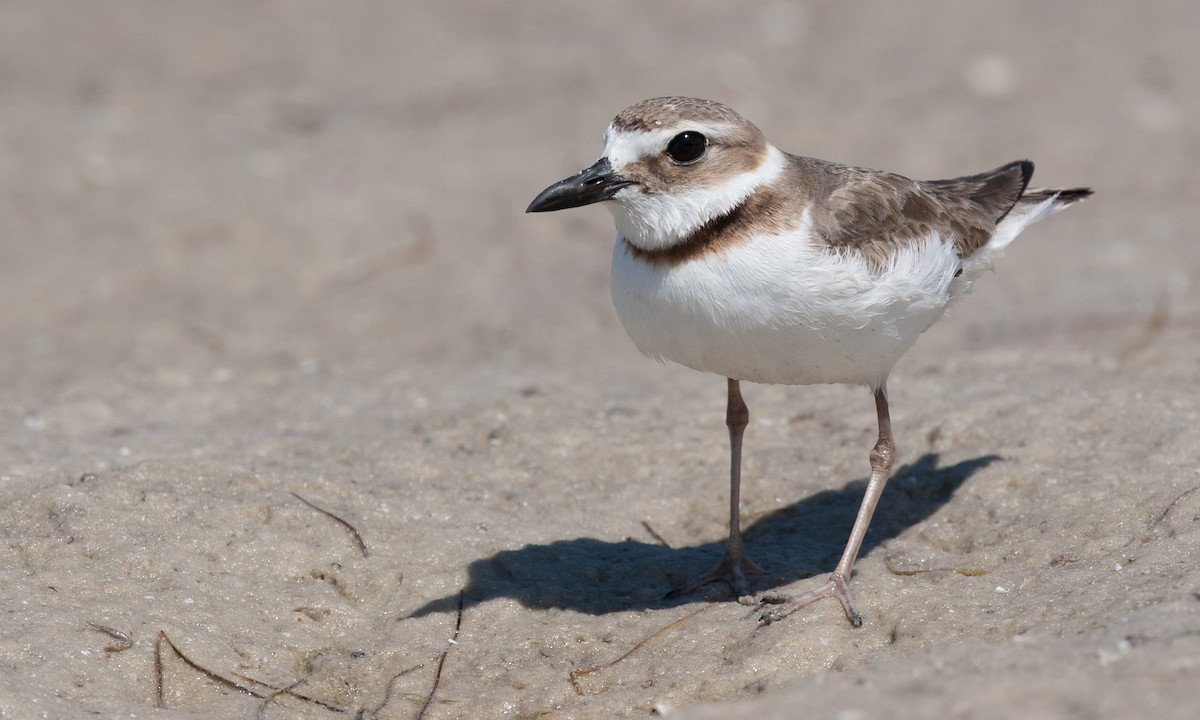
(654, 222)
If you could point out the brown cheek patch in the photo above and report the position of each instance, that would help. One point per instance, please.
(731, 155)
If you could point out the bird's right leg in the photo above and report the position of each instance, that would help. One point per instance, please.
(735, 567)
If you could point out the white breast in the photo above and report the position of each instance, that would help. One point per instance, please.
(784, 310)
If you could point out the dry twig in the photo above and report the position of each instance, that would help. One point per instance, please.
(437, 675)
(358, 539)
(159, 687)
(574, 675)
(373, 713)
(654, 534)
(1171, 506)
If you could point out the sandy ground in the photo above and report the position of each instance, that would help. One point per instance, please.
(264, 260)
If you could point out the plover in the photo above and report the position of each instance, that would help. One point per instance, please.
(735, 258)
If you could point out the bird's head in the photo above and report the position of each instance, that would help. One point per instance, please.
(670, 165)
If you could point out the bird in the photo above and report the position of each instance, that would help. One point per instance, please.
(735, 258)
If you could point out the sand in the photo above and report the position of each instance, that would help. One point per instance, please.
(301, 407)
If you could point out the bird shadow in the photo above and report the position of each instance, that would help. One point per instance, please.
(794, 542)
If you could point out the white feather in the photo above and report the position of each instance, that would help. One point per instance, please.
(1019, 218)
(784, 309)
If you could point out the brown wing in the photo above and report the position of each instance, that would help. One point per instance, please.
(872, 212)
(996, 191)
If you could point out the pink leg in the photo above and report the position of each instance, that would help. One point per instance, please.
(838, 585)
(735, 566)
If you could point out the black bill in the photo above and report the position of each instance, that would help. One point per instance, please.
(593, 185)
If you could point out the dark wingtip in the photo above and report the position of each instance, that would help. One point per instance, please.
(1062, 196)
(1071, 195)
(1026, 168)
(1026, 172)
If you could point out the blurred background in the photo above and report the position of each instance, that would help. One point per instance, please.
(189, 186)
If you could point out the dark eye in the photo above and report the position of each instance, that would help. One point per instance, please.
(687, 147)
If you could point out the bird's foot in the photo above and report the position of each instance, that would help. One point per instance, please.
(733, 569)
(836, 587)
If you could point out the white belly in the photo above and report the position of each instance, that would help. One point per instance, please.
(781, 310)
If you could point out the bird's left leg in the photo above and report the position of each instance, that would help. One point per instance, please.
(838, 585)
